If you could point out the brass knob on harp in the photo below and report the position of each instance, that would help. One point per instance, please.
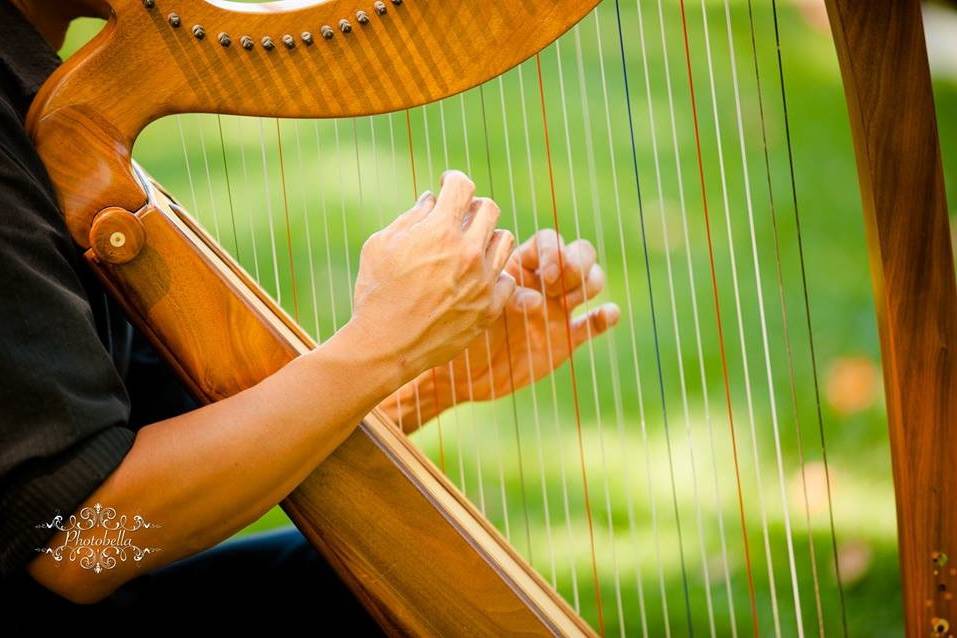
(117, 235)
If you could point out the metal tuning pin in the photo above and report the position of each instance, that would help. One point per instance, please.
(247, 42)
(326, 32)
(362, 17)
(267, 43)
(306, 37)
(380, 8)
(199, 32)
(345, 26)
(289, 41)
(174, 20)
(224, 39)
(149, 4)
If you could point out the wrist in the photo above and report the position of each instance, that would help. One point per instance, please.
(359, 350)
(420, 400)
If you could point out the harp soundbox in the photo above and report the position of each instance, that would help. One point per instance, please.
(411, 546)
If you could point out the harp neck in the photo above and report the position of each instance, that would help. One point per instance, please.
(288, 59)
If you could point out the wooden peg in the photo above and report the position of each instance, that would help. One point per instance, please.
(117, 235)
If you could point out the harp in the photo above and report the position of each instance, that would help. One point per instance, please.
(368, 507)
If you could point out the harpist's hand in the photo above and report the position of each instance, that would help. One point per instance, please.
(528, 341)
(433, 280)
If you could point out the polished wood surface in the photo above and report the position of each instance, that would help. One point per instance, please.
(883, 57)
(141, 67)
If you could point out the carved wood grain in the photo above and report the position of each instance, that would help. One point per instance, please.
(883, 56)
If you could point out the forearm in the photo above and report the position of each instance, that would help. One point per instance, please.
(206, 474)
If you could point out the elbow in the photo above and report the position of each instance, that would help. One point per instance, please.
(73, 585)
(85, 595)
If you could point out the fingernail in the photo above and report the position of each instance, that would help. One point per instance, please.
(424, 197)
(612, 314)
(551, 273)
(530, 299)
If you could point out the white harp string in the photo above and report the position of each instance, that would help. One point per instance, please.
(576, 597)
(615, 372)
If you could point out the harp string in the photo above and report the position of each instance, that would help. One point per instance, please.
(229, 190)
(764, 338)
(344, 216)
(761, 310)
(714, 284)
(330, 279)
(415, 189)
(209, 185)
(571, 359)
(654, 322)
(285, 212)
(615, 372)
(503, 491)
(307, 230)
(508, 349)
(398, 197)
(194, 204)
(599, 426)
(675, 324)
(269, 211)
(459, 432)
(493, 413)
(807, 314)
(784, 314)
(246, 182)
(553, 384)
(539, 441)
(693, 292)
(480, 482)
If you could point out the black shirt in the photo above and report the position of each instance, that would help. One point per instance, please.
(76, 380)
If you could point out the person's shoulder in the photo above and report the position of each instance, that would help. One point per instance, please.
(26, 195)
(15, 143)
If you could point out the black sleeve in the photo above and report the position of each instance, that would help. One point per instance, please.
(63, 407)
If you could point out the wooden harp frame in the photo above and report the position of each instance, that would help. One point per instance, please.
(367, 506)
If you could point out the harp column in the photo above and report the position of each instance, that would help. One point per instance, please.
(883, 56)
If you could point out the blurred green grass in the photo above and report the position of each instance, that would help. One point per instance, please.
(345, 179)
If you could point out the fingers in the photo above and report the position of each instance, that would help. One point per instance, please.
(419, 211)
(455, 195)
(540, 254)
(578, 258)
(504, 288)
(561, 268)
(594, 323)
(499, 250)
(594, 284)
(483, 216)
(525, 299)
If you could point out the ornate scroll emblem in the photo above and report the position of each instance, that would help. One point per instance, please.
(98, 538)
